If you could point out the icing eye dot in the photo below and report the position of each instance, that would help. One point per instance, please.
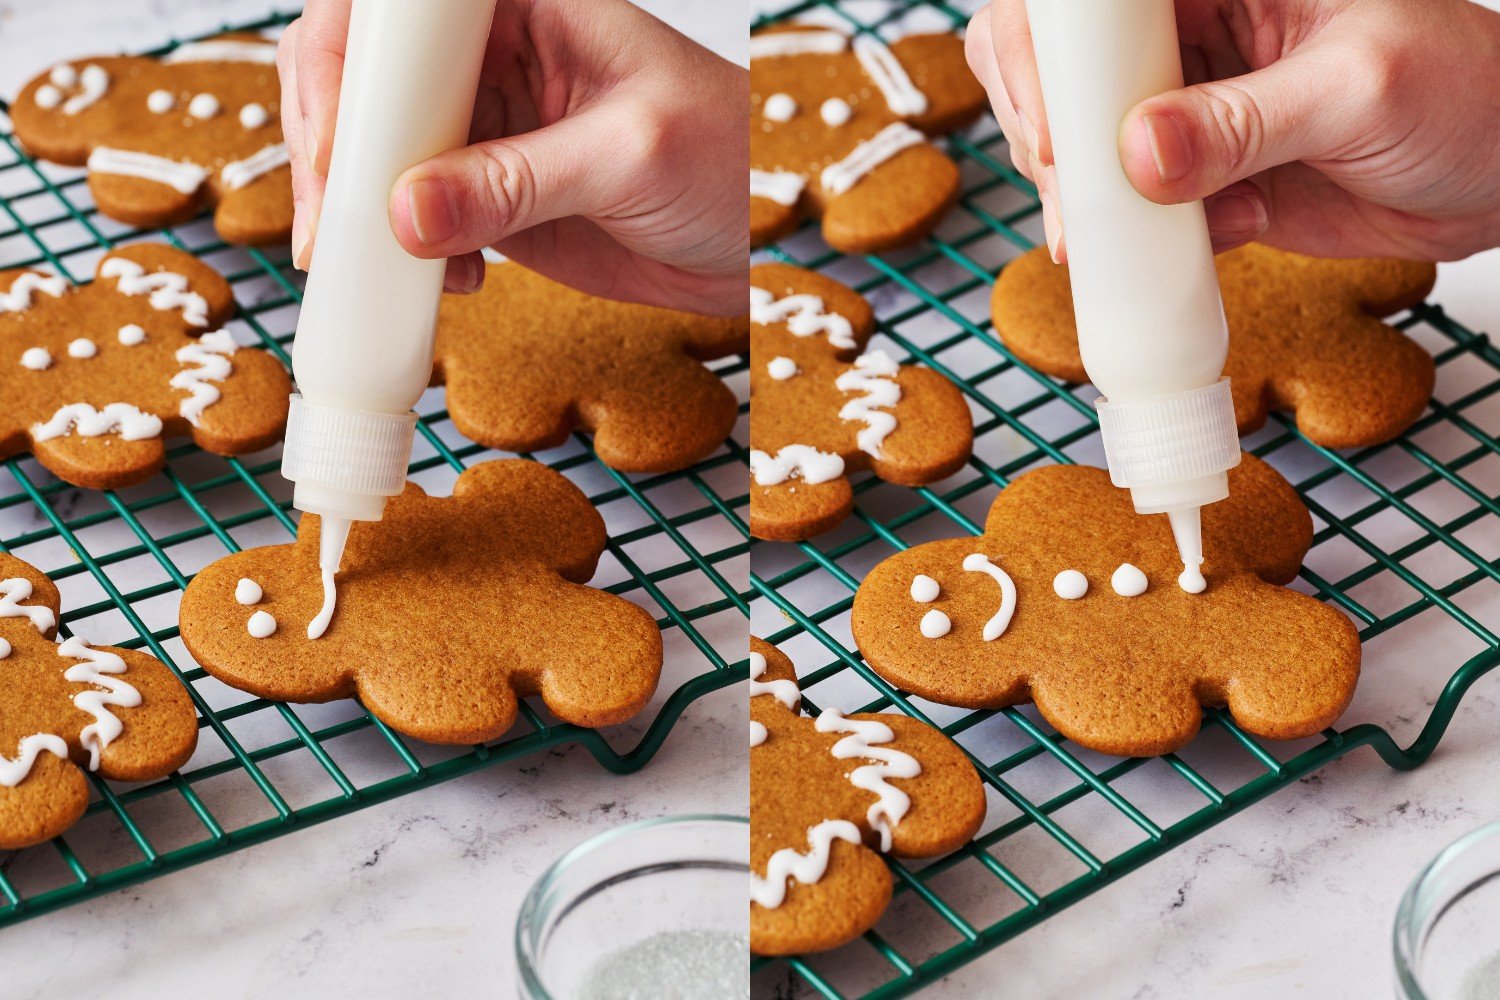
(1070, 584)
(261, 625)
(130, 335)
(781, 369)
(923, 588)
(935, 624)
(757, 733)
(253, 116)
(835, 112)
(203, 106)
(48, 97)
(82, 348)
(161, 101)
(779, 107)
(247, 591)
(1191, 580)
(5, 650)
(38, 359)
(63, 75)
(1128, 581)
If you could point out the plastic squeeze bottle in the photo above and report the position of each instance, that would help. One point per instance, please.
(1145, 294)
(363, 351)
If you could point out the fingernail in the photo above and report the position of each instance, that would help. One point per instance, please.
(1028, 132)
(1236, 216)
(1169, 146)
(434, 216)
(1052, 224)
(310, 144)
(299, 238)
(470, 275)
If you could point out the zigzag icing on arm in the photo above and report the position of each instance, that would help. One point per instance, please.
(13, 771)
(210, 357)
(12, 593)
(85, 421)
(777, 185)
(23, 290)
(837, 178)
(804, 315)
(812, 465)
(179, 175)
(863, 740)
(784, 691)
(901, 95)
(808, 868)
(873, 375)
(168, 290)
(99, 669)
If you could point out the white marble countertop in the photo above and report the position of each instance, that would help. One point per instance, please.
(417, 896)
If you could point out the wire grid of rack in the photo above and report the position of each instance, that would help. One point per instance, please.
(1406, 529)
(679, 546)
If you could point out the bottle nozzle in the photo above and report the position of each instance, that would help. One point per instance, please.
(1187, 530)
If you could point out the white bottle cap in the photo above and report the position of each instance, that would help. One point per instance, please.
(1172, 451)
(345, 462)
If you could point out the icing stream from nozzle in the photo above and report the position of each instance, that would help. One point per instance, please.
(334, 536)
(1187, 530)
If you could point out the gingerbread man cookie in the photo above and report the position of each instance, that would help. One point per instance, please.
(526, 360)
(164, 137)
(447, 611)
(1304, 335)
(1072, 600)
(69, 706)
(839, 130)
(826, 795)
(93, 377)
(821, 409)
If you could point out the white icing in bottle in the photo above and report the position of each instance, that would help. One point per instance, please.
(784, 691)
(248, 592)
(98, 669)
(874, 375)
(804, 316)
(808, 868)
(1128, 581)
(996, 626)
(864, 740)
(935, 624)
(261, 625)
(924, 589)
(1070, 584)
(812, 465)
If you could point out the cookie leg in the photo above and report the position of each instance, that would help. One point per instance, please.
(105, 462)
(793, 510)
(635, 434)
(1120, 718)
(896, 204)
(259, 213)
(141, 202)
(50, 800)
(770, 220)
(847, 901)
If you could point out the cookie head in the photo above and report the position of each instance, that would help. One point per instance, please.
(827, 796)
(446, 611)
(1072, 600)
(164, 137)
(526, 361)
(97, 376)
(839, 130)
(823, 407)
(69, 707)
(1305, 336)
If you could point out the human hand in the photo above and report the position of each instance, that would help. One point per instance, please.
(1328, 127)
(607, 152)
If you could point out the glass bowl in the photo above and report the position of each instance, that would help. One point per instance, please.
(656, 909)
(1447, 939)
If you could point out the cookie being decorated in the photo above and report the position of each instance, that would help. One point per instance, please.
(822, 407)
(827, 796)
(94, 377)
(1073, 601)
(527, 360)
(446, 611)
(67, 707)
(1304, 335)
(164, 137)
(840, 127)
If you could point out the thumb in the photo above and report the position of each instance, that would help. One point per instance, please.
(1186, 144)
(474, 196)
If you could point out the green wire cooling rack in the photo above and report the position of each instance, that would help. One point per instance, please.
(1408, 534)
(679, 545)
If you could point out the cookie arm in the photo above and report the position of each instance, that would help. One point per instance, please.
(896, 203)
(934, 432)
(251, 413)
(947, 798)
(161, 733)
(954, 96)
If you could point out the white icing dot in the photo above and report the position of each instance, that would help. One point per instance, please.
(247, 591)
(253, 116)
(203, 106)
(261, 624)
(757, 733)
(63, 75)
(4, 648)
(48, 96)
(935, 624)
(781, 369)
(923, 588)
(161, 101)
(83, 347)
(38, 359)
(835, 112)
(779, 107)
(1192, 580)
(1128, 581)
(1070, 584)
(131, 335)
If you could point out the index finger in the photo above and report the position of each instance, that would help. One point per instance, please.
(1011, 32)
(321, 41)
